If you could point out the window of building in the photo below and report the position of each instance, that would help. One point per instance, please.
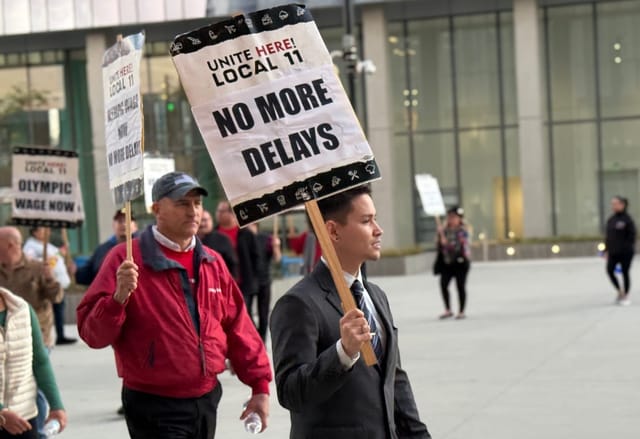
(619, 58)
(593, 111)
(571, 60)
(453, 90)
(477, 71)
(576, 179)
(32, 107)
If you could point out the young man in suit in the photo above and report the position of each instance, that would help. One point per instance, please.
(320, 378)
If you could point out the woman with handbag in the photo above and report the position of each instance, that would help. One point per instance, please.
(453, 259)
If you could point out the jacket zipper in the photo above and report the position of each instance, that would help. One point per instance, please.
(203, 359)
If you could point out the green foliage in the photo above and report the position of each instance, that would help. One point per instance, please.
(19, 99)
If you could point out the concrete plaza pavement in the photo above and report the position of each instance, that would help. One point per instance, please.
(543, 353)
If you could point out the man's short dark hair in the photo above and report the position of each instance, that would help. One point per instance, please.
(337, 207)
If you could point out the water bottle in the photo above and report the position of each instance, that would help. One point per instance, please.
(253, 423)
(51, 428)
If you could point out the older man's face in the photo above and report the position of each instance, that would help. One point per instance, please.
(206, 224)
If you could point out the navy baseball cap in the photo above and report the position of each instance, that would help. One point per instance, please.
(175, 185)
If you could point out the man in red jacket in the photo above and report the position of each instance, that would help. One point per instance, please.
(173, 315)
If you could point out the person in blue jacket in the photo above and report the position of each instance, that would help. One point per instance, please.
(88, 272)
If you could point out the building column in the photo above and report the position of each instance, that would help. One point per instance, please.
(96, 44)
(393, 193)
(534, 155)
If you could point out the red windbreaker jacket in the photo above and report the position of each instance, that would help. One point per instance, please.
(157, 347)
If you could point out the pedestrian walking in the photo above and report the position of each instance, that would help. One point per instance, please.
(24, 367)
(620, 243)
(218, 242)
(172, 315)
(245, 246)
(34, 249)
(34, 281)
(268, 252)
(89, 271)
(453, 260)
(329, 391)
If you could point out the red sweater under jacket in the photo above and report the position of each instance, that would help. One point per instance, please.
(154, 336)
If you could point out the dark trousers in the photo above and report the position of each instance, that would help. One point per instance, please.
(29, 434)
(264, 302)
(458, 271)
(58, 318)
(624, 259)
(158, 417)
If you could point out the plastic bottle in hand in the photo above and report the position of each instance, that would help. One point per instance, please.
(51, 428)
(253, 423)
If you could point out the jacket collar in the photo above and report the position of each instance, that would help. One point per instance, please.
(153, 256)
(323, 276)
(12, 301)
(21, 263)
(165, 241)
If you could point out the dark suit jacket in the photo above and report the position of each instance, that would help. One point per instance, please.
(222, 244)
(326, 401)
(247, 261)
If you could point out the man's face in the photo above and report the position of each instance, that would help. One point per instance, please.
(39, 233)
(10, 250)
(206, 224)
(224, 215)
(179, 219)
(359, 239)
(120, 228)
(453, 220)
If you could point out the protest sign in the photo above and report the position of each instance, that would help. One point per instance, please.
(154, 168)
(46, 191)
(430, 195)
(274, 116)
(123, 117)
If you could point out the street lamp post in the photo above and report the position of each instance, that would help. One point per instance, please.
(350, 50)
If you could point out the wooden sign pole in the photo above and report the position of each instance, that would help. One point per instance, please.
(45, 244)
(329, 253)
(276, 218)
(127, 214)
(65, 242)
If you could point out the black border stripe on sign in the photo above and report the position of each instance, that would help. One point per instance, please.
(238, 26)
(33, 150)
(56, 224)
(319, 186)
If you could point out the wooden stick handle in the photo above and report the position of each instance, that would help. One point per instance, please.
(276, 218)
(45, 244)
(65, 242)
(329, 253)
(127, 213)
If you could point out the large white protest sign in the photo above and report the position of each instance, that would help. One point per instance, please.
(46, 191)
(154, 168)
(430, 195)
(123, 117)
(277, 123)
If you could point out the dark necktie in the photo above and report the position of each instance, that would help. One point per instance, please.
(358, 294)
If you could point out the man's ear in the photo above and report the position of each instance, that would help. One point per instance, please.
(332, 230)
(155, 207)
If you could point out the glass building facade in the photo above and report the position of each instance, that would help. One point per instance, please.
(453, 87)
